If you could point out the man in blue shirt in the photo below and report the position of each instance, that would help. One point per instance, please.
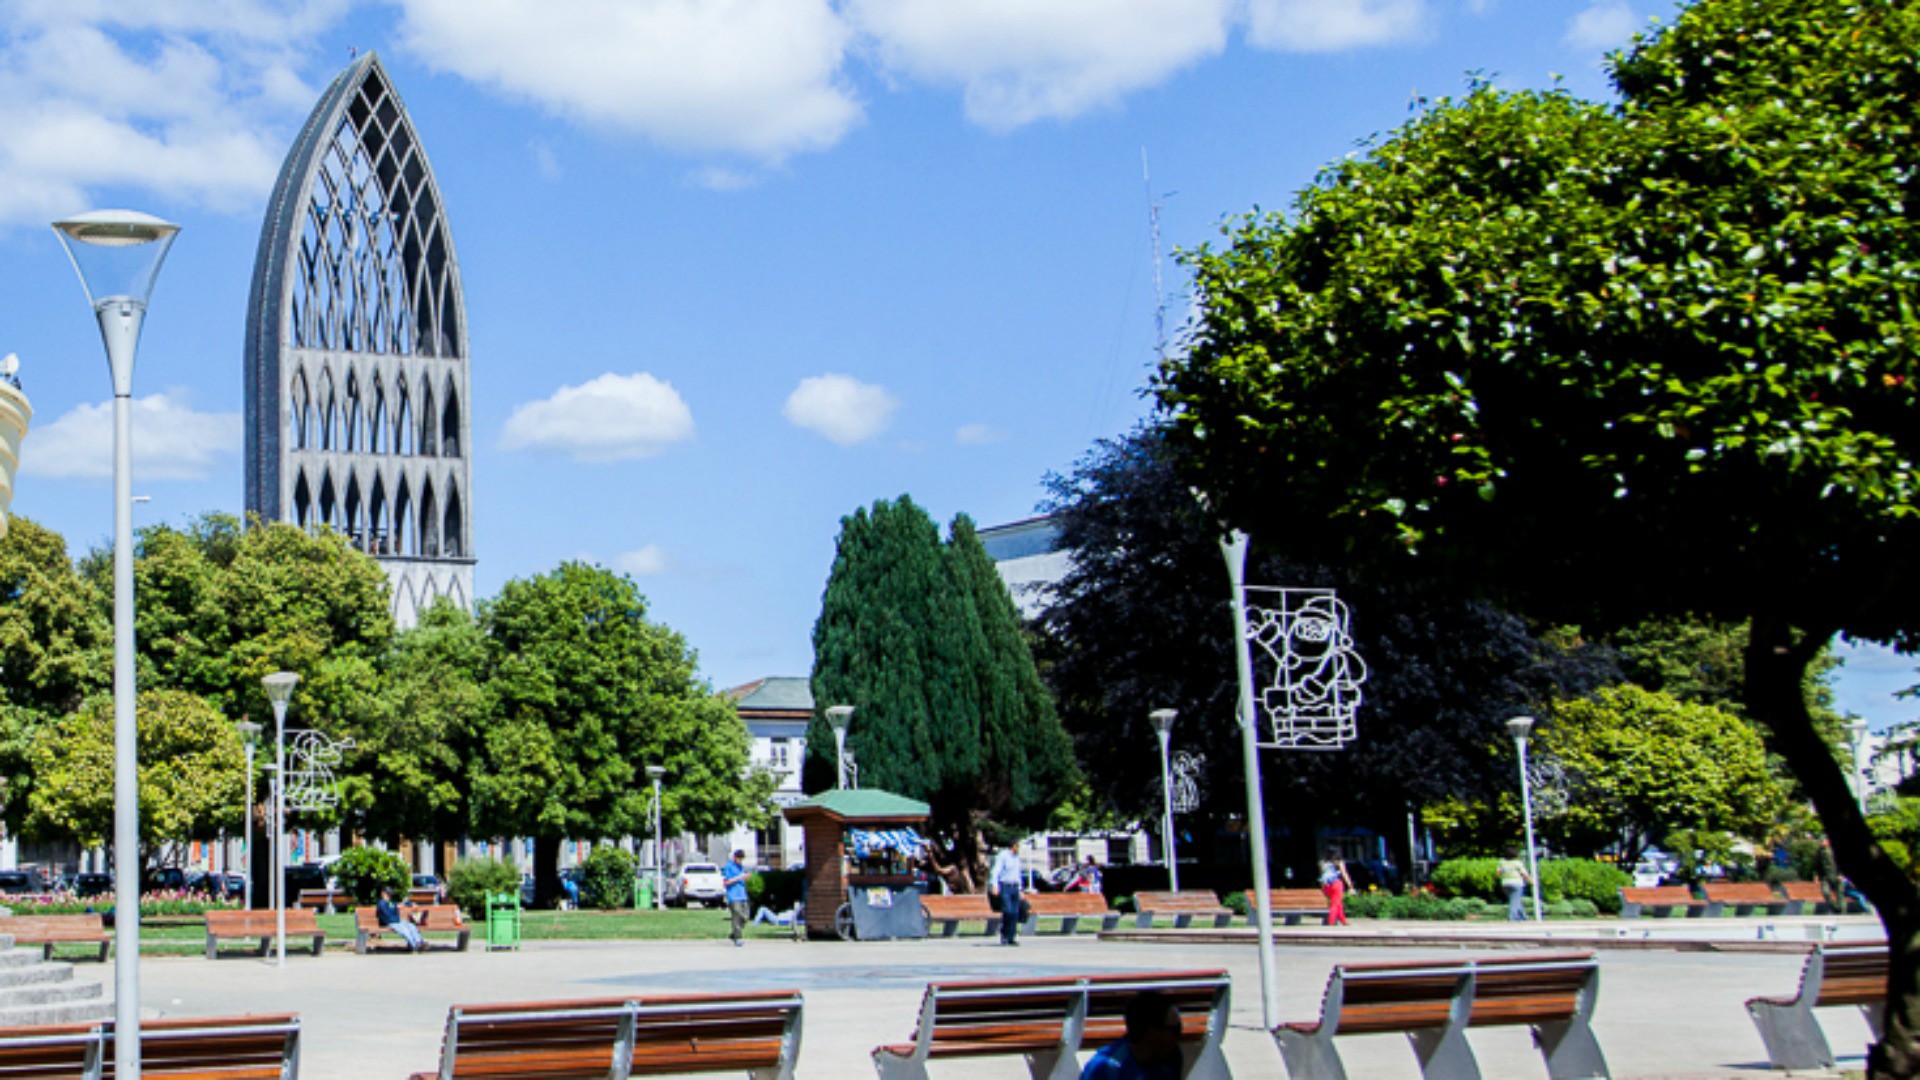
(1151, 1050)
(734, 877)
(389, 917)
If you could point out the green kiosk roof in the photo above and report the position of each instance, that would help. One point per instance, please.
(868, 803)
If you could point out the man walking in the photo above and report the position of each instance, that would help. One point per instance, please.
(1003, 882)
(734, 877)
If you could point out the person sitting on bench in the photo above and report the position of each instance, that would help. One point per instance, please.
(772, 917)
(390, 917)
(1151, 1050)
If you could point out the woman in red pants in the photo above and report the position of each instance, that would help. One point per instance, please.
(1334, 882)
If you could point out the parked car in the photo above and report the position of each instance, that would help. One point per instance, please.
(92, 884)
(304, 876)
(697, 883)
(162, 878)
(19, 881)
(236, 886)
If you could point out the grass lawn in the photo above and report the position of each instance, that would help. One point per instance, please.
(187, 936)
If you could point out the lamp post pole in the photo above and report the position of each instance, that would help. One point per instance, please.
(840, 716)
(659, 856)
(1162, 720)
(1520, 726)
(1233, 547)
(280, 688)
(117, 254)
(250, 732)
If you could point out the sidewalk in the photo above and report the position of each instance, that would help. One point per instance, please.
(1662, 1013)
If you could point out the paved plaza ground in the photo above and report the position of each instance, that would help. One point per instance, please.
(1662, 1013)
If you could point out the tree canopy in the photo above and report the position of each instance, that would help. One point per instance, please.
(1605, 362)
(924, 641)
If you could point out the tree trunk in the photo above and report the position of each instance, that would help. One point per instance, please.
(546, 872)
(260, 857)
(1777, 661)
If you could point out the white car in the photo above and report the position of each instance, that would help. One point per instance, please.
(698, 883)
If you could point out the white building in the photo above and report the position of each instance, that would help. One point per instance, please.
(776, 711)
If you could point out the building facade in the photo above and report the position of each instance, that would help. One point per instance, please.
(357, 377)
(776, 712)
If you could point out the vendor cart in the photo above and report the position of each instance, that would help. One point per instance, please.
(861, 846)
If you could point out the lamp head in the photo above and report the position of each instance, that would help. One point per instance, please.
(248, 729)
(656, 771)
(1519, 726)
(280, 686)
(1856, 727)
(839, 716)
(117, 253)
(1162, 719)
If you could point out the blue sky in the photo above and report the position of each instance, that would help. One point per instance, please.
(733, 267)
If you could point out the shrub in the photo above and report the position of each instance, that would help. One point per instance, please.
(606, 878)
(364, 871)
(1236, 902)
(1597, 883)
(1468, 878)
(471, 881)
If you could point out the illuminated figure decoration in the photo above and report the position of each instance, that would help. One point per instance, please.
(1315, 673)
(357, 381)
(1186, 781)
(311, 759)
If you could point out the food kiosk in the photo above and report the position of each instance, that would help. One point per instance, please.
(860, 848)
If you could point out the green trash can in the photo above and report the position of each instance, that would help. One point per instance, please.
(503, 921)
(642, 893)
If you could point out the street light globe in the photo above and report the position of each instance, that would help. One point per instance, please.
(839, 716)
(1519, 726)
(1162, 719)
(248, 730)
(656, 771)
(280, 686)
(117, 253)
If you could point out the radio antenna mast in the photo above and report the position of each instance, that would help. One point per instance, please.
(1159, 293)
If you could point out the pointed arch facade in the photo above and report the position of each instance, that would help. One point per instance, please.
(357, 373)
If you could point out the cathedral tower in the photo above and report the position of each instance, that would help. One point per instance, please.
(356, 368)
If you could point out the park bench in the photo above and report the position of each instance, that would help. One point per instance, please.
(327, 901)
(1433, 1003)
(219, 1048)
(1833, 975)
(951, 911)
(1663, 900)
(1069, 908)
(47, 931)
(1289, 904)
(1049, 1021)
(1745, 897)
(425, 896)
(432, 919)
(263, 925)
(1803, 897)
(757, 1033)
(1183, 906)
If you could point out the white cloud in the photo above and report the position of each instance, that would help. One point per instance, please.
(1332, 25)
(610, 418)
(760, 78)
(190, 101)
(1604, 25)
(978, 435)
(545, 162)
(170, 441)
(1018, 61)
(840, 408)
(643, 562)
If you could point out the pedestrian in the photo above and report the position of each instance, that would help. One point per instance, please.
(1334, 885)
(1515, 879)
(389, 916)
(1151, 1049)
(1003, 884)
(734, 877)
(1090, 877)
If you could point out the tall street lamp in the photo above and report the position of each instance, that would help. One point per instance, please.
(117, 254)
(1162, 720)
(840, 716)
(250, 734)
(1520, 726)
(659, 856)
(1857, 735)
(280, 688)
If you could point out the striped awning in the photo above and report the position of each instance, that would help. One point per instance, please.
(865, 842)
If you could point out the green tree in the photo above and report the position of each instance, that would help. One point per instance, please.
(1641, 764)
(923, 640)
(191, 763)
(1604, 363)
(588, 693)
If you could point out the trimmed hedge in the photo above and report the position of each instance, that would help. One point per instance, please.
(606, 878)
(1597, 883)
(472, 879)
(363, 871)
